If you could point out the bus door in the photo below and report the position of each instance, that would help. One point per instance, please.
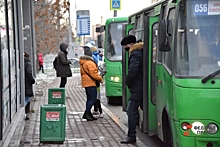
(125, 92)
(149, 124)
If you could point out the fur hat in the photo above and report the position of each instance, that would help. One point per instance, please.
(93, 49)
(128, 39)
(87, 51)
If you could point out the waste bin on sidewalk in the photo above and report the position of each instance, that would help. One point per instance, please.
(56, 96)
(52, 123)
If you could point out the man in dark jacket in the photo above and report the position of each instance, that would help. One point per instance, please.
(29, 81)
(63, 65)
(134, 81)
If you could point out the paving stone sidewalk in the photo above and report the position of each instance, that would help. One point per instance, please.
(104, 132)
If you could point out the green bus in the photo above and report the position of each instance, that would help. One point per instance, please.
(113, 58)
(181, 71)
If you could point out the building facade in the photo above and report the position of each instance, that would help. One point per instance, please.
(16, 36)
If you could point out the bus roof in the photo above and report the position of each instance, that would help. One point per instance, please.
(149, 8)
(116, 19)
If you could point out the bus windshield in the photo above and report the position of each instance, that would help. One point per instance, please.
(113, 39)
(197, 48)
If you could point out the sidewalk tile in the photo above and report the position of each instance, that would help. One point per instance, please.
(104, 132)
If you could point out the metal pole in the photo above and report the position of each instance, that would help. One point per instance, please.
(115, 13)
(70, 36)
(21, 50)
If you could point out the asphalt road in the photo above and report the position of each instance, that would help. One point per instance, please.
(153, 141)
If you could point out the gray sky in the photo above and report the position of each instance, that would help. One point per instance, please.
(100, 8)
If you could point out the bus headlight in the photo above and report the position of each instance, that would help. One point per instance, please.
(112, 78)
(212, 128)
(115, 79)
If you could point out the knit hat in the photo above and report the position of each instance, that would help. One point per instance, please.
(128, 39)
(93, 49)
(90, 44)
(87, 51)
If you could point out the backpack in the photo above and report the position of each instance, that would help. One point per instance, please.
(55, 63)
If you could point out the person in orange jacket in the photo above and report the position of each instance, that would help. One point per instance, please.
(41, 62)
(89, 74)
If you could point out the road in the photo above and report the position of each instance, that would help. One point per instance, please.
(153, 141)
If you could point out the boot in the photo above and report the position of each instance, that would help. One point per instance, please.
(84, 115)
(90, 114)
(87, 116)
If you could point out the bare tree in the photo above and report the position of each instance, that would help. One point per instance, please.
(51, 24)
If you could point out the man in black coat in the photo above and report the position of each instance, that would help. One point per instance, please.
(134, 81)
(63, 65)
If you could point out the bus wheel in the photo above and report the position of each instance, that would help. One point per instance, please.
(110, 100)
(114, 100)
(167, 131)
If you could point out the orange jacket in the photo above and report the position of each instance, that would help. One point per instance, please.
(91, 68)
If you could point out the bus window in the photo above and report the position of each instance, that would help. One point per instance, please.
(154, 48)
(114, 48)
(155, 31)
(197, 41)
(139, 27)
(168, 55)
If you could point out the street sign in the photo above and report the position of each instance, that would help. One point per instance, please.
(83, 22)
(115, 4)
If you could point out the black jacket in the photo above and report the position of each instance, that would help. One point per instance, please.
(29, 80)
(134, 79)
(63, 65)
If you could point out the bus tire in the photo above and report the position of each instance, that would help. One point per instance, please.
(117, 100)
(110, 100)
(167, 131)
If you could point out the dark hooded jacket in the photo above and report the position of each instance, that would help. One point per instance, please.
(134, 79)
(63, 64)
(29, 80)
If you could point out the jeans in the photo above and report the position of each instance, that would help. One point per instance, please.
(26, 100)
(63, 82)
(91, 94)
(132, 112)
(27, 104)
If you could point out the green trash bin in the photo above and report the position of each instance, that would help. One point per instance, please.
(52, 123)
(56, 96)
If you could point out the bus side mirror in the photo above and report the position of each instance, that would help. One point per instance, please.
(165, 35)
(100, 41)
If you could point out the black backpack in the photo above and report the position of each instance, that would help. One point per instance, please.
(55, 63)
